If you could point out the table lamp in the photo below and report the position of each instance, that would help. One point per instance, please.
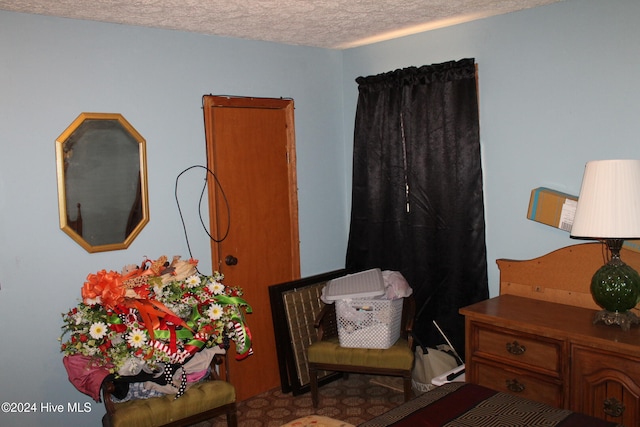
(608, 210)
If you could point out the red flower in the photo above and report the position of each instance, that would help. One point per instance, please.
(104, 347)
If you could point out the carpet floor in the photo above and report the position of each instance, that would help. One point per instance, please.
(354, 400)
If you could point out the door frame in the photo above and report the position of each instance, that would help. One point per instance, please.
(286, 104)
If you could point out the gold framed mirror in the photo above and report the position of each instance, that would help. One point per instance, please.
(102, 182)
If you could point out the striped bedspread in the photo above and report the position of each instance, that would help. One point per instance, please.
(462, 405)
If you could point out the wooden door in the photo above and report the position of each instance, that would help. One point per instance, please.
(605, 384)
(251, 151)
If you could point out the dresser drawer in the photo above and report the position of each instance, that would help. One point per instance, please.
(519, 382)
(518, 349)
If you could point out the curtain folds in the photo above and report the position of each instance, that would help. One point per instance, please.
(417, 201)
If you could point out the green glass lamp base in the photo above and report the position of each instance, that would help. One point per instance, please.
(625, 320)
(616, 288)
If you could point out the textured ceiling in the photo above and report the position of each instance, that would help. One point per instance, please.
(334, 24)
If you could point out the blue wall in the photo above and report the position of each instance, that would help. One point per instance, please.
(53, 69)
(557, 88)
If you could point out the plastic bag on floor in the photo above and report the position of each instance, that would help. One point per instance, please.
(434, 362)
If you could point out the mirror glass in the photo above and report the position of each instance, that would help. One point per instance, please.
(102, 182)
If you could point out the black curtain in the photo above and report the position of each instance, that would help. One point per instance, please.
(417, 202)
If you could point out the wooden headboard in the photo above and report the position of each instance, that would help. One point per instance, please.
(562, 276)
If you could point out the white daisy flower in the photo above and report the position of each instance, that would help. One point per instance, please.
(98, 330)
(192, 281)
(136, 338)
(215, 311)
(216, 288)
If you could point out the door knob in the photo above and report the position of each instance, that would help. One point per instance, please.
(230, 260)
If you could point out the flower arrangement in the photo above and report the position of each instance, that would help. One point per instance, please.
(155, 314)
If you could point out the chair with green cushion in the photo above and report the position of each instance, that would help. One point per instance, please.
(202, 401)
(326, 354)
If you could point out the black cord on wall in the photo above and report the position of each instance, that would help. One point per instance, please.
(224, 196)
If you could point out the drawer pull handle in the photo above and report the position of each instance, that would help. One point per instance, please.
(516, 348)
(515, 386)
(613, 407)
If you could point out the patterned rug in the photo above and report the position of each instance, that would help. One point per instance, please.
(355, 400)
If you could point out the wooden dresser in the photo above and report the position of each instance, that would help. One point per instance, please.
(553, 353)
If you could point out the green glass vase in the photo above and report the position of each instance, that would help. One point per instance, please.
(616, 286)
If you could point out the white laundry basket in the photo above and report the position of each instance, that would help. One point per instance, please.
(368, 323)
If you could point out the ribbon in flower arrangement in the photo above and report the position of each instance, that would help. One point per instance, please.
(107, 288)
(129, 292)
(154, 313)
(243, 334)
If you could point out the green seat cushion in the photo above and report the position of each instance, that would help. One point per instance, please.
(156, 411)
(398, 356)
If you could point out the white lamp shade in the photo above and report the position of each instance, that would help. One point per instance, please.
(609, 201)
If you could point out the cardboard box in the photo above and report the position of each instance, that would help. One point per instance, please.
(552, 208)
(558, 209)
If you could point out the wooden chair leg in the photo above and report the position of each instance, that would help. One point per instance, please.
(408, 392)
(232, 418)
(313, 385)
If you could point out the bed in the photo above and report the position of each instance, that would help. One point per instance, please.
(595, 361)
(464, 404)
